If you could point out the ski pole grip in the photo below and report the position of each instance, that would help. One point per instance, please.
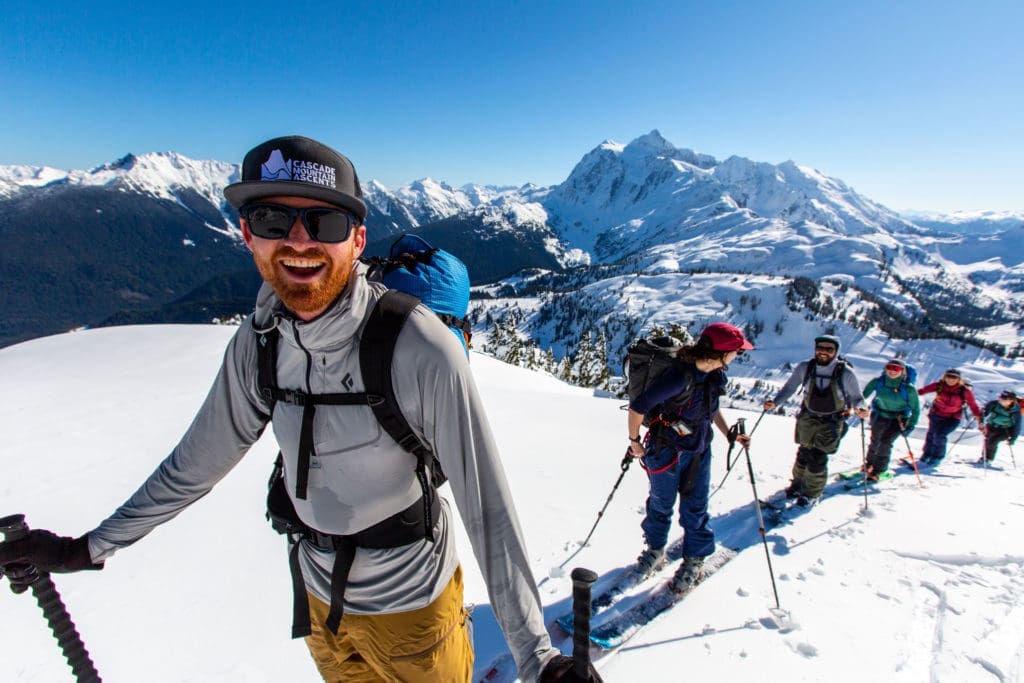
(14, 528)
(582, 581)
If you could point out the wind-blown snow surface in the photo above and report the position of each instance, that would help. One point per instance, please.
(926, 586)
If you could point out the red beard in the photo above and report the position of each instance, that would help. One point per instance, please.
(311, 297)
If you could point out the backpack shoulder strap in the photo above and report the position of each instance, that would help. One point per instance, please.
(376, 351)
(376, 348)
(676, 403)
(808, 372)
(266, 364)
(837, 377)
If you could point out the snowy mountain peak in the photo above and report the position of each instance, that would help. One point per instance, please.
(655, 142)
(158, 173)
(429, 200)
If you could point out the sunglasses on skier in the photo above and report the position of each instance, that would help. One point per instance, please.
(892, 367)
(827, 348)
(274, 221)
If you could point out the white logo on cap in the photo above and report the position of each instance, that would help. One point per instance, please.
(276, 168)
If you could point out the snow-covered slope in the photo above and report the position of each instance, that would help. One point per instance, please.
(969, 222)
(923, 585)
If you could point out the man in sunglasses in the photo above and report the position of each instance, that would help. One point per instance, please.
(397, 611)
(831, 393)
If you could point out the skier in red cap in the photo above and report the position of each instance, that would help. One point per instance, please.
(679, 406)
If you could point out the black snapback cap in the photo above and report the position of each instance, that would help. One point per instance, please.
(296, 166)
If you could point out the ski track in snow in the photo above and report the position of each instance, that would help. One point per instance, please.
(925, 585)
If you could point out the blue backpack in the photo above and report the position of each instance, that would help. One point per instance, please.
(434, 276)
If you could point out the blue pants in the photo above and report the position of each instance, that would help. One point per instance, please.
(939, 429)
(698, 538)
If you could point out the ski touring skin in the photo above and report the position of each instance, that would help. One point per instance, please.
(616, 630)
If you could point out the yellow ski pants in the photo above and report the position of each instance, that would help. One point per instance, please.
(427, 645)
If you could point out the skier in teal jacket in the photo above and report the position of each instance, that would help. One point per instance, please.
(1002, 423)
(894, 411)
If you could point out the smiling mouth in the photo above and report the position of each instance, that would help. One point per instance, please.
(301, 267)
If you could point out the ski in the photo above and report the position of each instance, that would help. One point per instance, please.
(851, 484)
(782, 515)
(980, 464)
(629, 579)
(770, 505)
(621, 627)
(850, 474)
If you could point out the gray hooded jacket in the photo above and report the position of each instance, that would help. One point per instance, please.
(359, 475)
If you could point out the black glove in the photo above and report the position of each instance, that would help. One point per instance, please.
(44, 551)
(908, 431)
(559, 670)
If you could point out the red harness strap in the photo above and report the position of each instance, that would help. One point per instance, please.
(647, 439)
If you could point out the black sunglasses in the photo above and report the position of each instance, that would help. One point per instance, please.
(825, 348)
(275, 221)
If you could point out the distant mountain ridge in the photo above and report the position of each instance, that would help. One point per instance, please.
(159, 226)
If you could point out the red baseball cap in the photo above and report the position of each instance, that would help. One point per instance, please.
(726, 337)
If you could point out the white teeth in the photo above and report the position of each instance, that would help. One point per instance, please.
(300, 263)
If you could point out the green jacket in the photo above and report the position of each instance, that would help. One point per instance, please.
(895, 398)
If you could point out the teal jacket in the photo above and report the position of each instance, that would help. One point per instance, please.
(892, 401)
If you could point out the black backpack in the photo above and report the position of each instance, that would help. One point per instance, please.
(837, 375)
(415, 272)
(376, 348)
(646, 360)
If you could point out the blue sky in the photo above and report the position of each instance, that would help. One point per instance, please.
(919, 105)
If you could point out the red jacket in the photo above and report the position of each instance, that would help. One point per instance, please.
(949, 400)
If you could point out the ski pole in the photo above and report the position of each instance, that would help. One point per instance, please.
(733, 433)
(760, 526)
(14, 528)
(984, 453)
(911, 454)
(741, 427)
(1012, 459)
(624, 466)
(864, 460)
(967, 425)
(582, 581)
(730, 463)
